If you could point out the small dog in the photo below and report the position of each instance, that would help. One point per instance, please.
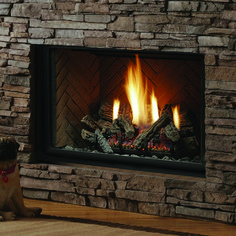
(11, 199)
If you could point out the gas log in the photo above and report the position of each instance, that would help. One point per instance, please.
(148, 134)
(183, 142)
(124, 123)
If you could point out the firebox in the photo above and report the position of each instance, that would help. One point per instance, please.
(141, 110)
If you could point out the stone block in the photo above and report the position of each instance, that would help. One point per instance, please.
(169, 43)
(120, 184)
(212, 41)
(148, 208)
(220, 130)
(108, 185)
(123, 43)
(32, 10)
(30, 172)
(148, 28)
(85, 191)
(23, 130)
(5, 105)
(210, 60)
(100, 202)
(64, 33)
(65, 6)
(109, 175)
(225, 217)
(97, 34)
(69, 198)
(223, 100)
(65, 42)
(4, 30)
(35, 194)
(105, 193)
(151, 19)
(5, 9)
(92, 8)
(221, 85)
(229, 178)
(122, 205)
(94, 183)
(95, 42)
(166, 210)
(182, 6)
(36, 41)
(88, 172)
(43, 184)
(152, 184)
(140, 196)
(212, 143)
(20, 27)
(20, 64)
(183, 29)
(19, 20)
(226, 74)
(195, 212)
(219, 157)
(41, 33)
(34, 166)
(216, 198)
(73, 25)
(60, 169)
(185, 184)
(228, 15)
(190, 195)
(122, 23)
(98, 18)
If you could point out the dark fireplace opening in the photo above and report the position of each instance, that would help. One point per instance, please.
(141, 110)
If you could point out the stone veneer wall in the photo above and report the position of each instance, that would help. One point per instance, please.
(207, 27)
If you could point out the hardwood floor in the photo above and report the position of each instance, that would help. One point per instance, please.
(64, 219)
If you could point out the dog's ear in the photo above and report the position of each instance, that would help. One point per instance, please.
(10, 140)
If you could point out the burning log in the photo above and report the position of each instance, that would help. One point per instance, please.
(172, 132)
(148, 134)
(88, 120)
(88, 136)
(106, 112)
(102, 142)
(127, 112)
(125, 124)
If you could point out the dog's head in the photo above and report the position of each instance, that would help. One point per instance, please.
(8, 149)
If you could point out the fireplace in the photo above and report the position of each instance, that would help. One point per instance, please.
(32, 33)
(79, 88)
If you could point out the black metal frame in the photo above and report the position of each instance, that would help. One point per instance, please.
(42, 105)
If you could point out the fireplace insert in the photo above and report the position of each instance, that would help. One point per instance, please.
(141, 110)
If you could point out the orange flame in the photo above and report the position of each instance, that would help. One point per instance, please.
(116, 107)
(176, 116)
(155, 114)
(137, 95)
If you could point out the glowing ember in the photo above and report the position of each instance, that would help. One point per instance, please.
(137, 95)
(176, 117)
(155, 115)
(116, 107)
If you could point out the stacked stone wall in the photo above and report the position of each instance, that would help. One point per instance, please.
(206, 27)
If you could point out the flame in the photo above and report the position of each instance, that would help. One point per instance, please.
(176, 117)
(116, 107)
(137, 95)
(155, 114)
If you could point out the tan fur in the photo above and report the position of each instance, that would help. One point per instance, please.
(11, 199)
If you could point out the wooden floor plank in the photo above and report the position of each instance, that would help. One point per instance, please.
(61, 219)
